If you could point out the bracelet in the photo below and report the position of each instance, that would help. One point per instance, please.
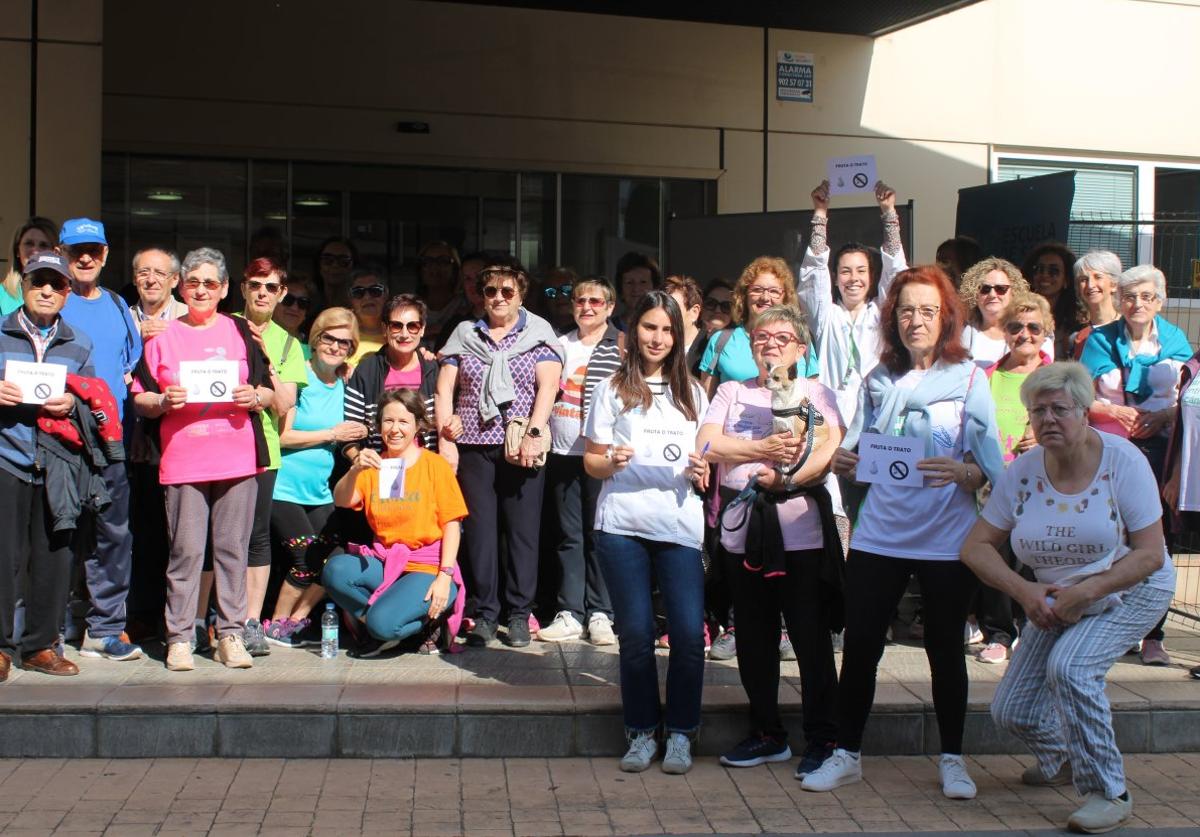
(257, 400)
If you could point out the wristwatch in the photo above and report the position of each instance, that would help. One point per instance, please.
(535, 432)
(446, 571)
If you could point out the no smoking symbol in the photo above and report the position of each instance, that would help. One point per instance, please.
(860, 180)
(671, 453)
(217, 388)
(42, 391)
(898, 470)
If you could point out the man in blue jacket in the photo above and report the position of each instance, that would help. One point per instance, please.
(105, 318)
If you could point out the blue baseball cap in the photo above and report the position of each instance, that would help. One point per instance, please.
(82, 231)
(48, 261)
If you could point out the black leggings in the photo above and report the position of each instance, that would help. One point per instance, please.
(308, 538)
(874, 586)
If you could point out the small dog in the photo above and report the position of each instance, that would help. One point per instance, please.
(792, 411)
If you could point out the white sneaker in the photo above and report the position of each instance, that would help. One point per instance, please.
(956, 782)
(600, 631)
(972, 635)
(1100, 814)
(841, 768)
(564, 627)
(231, 651)
(642, 750)
(678, 758)
(179, 657)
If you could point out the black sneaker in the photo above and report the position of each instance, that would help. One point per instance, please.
(756, 750)
(813, 757)
(518, 632)
(483, 634)
(371, 647)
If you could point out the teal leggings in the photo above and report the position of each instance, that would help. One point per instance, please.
(399, 613)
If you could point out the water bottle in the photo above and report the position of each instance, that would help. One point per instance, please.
(329, 633)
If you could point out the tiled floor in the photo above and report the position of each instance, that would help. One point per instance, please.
(526, 797)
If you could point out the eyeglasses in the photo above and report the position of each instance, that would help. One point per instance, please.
(779, 338)
(1014, 328)
(1059, 411)
(412, 326)
(508, 291)
(339, 343)
(1134, 299)
(374, 291)
(905, 313)
(256, 285)
(999, 290)
(57, 282)
(301, 302)
(144, 273)
(334, 260)
(761, 290)
(555, 291)
(714, 304)
(1048, 269)
(209, 284)
(590, 302)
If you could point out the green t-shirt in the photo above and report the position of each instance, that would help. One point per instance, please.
(290, 370)
(1011, 416)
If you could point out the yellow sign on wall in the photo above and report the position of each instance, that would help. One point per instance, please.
(1196, 273)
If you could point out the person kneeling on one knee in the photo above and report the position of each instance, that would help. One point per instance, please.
(409, 578)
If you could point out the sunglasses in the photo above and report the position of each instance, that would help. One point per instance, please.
(256, 285)
(714, 304)
(590, 301)
(209, 284)
(1014, 328)
(999, 290)
(374, 291)
(57, 282)
(412, 326)
(332, 259)
(556, 291)
(301, 302)
(74, 251)
(339, 343)
(508, 291)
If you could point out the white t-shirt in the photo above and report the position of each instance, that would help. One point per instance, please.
(566, 418)
(743, 411)
(987, 350)
(925, 523)
(1065, 538)
(1189, 444)
(651, 498)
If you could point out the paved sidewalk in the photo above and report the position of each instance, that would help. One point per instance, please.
(528, 797)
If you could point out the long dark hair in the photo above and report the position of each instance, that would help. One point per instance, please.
(629, 382)
(874, 268)
(1067, 313)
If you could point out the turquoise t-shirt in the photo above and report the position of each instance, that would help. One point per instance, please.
(736, 362)
(304, 472)
(8, 302)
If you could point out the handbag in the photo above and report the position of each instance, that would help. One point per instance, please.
(514, 434)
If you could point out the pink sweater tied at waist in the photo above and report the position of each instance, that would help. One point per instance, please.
(396, 559)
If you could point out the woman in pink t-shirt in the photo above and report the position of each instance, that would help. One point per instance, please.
(783, 554)
(203, 377)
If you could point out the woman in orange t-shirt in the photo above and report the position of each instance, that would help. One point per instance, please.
(409, 578)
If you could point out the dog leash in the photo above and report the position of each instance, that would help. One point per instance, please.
(812, 417)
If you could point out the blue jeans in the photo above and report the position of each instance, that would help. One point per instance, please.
(398, 614)
(630, 566)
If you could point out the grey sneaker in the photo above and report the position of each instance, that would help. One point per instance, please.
(1034, 776)
(678, 758)
(202, 643)
(642, 750)
(786, 652)
(725, 647)
(255, 639)
(1099, 814)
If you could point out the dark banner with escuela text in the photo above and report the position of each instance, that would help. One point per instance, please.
(1009, 219)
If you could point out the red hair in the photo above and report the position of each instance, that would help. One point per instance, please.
(951, 316)
(264, 266)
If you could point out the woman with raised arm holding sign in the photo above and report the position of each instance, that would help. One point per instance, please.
(925, 389)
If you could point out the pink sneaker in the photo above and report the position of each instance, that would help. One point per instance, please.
(993, 652)
(534, 625)
(663, 641)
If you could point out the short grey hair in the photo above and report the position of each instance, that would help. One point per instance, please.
(1141, 273)
(1099, 261)
(1067, 376)
(170, 254)
(784, 314)
(202, 256)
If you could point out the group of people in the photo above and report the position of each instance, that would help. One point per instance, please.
(390, 454)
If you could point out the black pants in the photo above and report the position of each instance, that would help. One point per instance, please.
(151, 546)
(758, 602)
(307, 537)
(503, 498)
(994, 609)
(259, 554)
(874, 586)
(572, 502)
(29, 542)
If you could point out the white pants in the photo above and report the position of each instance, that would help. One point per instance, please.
(1052, 696)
